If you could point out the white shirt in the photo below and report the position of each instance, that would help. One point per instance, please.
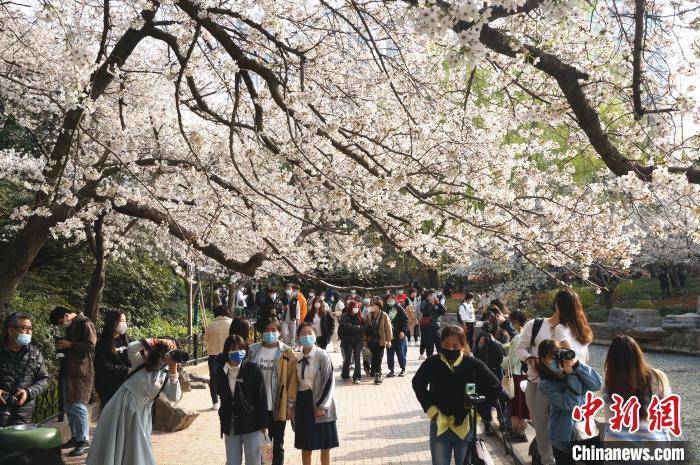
(317, 324)
(563, 333)
(524, 350)
(232, 373)
(311, 370)
(466, 312)
(240, 298)
(265, 359)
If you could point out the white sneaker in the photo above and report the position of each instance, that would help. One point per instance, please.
(215, 406)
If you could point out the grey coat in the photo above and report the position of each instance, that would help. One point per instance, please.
(323, 389)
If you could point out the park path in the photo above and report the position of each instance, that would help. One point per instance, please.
(376, 425)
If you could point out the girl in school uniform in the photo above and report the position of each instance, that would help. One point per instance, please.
(315, 413)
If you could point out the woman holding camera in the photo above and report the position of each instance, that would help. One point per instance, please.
(440, 384)
(123, 434)
(564, 382)
(243, 413)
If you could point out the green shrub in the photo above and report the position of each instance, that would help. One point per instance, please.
(452, 304)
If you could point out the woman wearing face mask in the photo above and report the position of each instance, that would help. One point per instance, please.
(336, 309)
(123, 433)
(351, 329)
(279, 369)
(412, 305)
(378, 330)
(111, 357)
(243, 413)
(314, 413)
(321, 320)
(399, 329)
(564, 383)
(439, 385)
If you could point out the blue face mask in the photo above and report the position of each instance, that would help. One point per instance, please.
(270, 337)
(308, 340)
(236, 356)
(554, 366)
(23, 339)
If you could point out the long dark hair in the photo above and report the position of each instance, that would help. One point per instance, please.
(627, 373)
(572, 316)
(546, 350)
(155, 357)
(241, 327)
(107, 338)
(313, 311)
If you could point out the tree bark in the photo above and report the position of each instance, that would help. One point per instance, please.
(93, 300)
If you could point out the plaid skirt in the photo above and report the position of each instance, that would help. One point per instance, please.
(309, 435)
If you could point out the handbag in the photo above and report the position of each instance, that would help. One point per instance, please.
(266, 450)
(507, 382)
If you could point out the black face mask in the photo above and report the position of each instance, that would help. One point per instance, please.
(450, 355)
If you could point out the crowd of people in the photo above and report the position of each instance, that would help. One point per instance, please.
(527, 371)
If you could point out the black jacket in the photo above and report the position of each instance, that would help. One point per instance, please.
(350, 329)
(248, 406)
(111, 368)
(268, 309)
(434, 312)
(491, 354)
(400, 321)
(21, 370)
(435, 384)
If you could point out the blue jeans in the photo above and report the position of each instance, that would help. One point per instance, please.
(239, 444)
(78, 421)
(443, 447)
(400, 348)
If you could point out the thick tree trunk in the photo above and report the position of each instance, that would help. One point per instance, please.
(93, 299)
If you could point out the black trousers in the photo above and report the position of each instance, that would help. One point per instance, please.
(429, 341)
(563, 458)
(377, 356)
(470, 333)
(351, 352)
(276, 431)
(211, 361)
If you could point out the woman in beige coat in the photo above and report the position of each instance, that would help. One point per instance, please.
(378, 336)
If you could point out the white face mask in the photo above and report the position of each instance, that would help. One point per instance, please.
(355, 310)
(273, 296)
(121, 327)
(311, 296)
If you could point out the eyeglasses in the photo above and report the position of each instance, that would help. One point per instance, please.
(24, 328)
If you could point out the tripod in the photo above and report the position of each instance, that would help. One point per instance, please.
(472, 456)
(507, 443)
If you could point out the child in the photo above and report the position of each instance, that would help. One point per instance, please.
(315, 413)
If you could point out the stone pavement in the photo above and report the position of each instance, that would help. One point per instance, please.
(376, 425)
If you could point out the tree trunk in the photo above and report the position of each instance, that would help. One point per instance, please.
(97, 283)
(20, 255)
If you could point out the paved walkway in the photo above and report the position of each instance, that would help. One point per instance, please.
(377, 425)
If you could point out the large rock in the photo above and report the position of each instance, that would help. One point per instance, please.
(198, 377)
(625, 319)
(170, 417)
(185, 381)
(682, 322)
(647, 334)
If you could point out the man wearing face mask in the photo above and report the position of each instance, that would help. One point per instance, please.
(350, 332)
(77, 373)
(399, 329)
(430, 313)
(23, 375)
(270, 308)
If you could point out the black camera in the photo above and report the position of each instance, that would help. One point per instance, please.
(178, 356)
(561, 355)
(10, 400)
(471, 398)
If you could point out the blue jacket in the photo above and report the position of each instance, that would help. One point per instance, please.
(563, 395)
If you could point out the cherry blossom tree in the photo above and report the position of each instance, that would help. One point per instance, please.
(287, 136)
